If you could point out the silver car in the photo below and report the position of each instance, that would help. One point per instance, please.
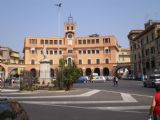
(98, 79)
(152, 81)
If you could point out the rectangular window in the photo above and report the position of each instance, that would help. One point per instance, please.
(152, 50)
(32, 62)
(93, 51)
(80, 62)
(42, 41)
(33, 41)
(106, 61)
(88, 41)
(84, 41)
(97, 51)
(79, 42)
(50, 42)
(70, 51)
(97, 41)
(51, 62)
(80, 52)
(89, 51)
(147, 40)
(147, 52)
(33, 51)
(97, 61)
(55, 52)
(60, 42)
(46, 41)
(84, 51)
(106, 40)
(51, 52)
(89, 61)
(60, 52)
(158, 33)
(93, 41)
(152, 36)
(55, 42)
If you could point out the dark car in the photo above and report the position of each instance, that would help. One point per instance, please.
(11, 110)
(152, 81)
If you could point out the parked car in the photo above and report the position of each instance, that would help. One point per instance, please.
(109, 78)
(82, 79)
(98, 79)
(53, 78)
(12, 110)
(152, 80)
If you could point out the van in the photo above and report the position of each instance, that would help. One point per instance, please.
(94, 76)
(152, 81)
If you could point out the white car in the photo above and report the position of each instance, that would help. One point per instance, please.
(98, 79)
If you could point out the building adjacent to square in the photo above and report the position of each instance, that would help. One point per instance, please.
(93, 53)
(145, 48)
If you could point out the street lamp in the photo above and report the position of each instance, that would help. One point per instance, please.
(142, 73)
(59, 5)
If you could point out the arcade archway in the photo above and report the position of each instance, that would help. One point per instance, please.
(105, 71)
(88, 71)
(97, 70)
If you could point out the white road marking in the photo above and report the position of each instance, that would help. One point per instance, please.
(87, 94)
(128, 93)
(127, 97)
(72, 102)
(119, 108)
(131, 109)
(90, 93)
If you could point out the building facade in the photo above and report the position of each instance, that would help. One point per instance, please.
(10, 61)
(145, 48)
(124, 59)
(124, 55)
(9, 56)
(93, 53)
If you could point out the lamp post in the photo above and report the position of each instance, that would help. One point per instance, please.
(141, 63)
(59, 5)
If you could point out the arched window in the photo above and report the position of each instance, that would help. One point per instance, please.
(69, 61)
(107, 50)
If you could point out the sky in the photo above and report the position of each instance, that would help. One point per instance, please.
(39, 18)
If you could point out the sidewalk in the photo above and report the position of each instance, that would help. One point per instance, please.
(9, 90)
(45, 92)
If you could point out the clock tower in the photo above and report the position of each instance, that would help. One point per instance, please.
(69, 29)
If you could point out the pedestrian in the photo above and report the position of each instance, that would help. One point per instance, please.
(155, 106)
(145, 77)
(115, 81)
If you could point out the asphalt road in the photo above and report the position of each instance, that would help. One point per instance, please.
(91, 101)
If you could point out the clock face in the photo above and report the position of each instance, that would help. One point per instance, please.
(69, 35)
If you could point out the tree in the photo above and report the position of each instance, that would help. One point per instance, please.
(71, 73)
(59, 73)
